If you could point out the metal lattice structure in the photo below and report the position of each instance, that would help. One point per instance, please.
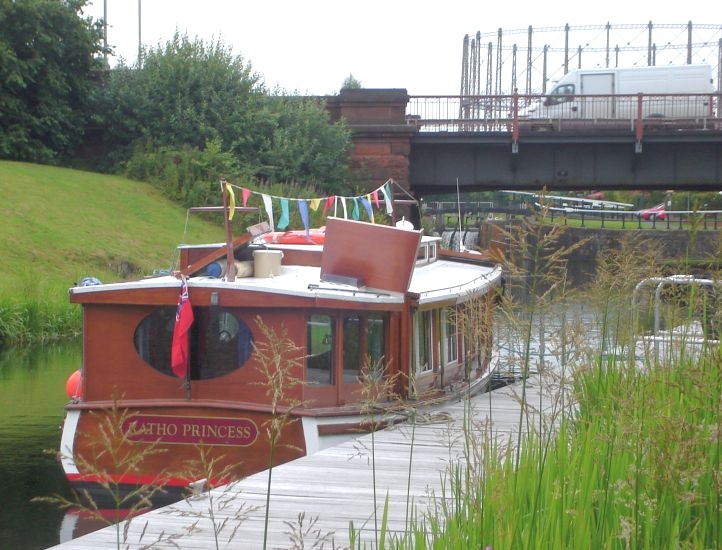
(529, 60)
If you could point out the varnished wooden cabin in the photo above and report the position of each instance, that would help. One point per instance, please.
(374, 305)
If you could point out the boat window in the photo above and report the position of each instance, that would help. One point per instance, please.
(451, 335)
(352, 360)
(219, 342)
(422, 336)
(432, 252)
(363, 345)
(476, 321)
(376, 342)
(319, 345)
(153, 338)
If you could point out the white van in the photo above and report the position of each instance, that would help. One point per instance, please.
(577, 95)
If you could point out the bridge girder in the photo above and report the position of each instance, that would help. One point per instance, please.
(485, 163)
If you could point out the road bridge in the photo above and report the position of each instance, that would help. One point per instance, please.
(429, 143)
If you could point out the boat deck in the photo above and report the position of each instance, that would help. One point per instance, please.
(324, 492)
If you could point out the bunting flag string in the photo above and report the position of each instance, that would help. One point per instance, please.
(387, 199)
(343, 205)
(367, 205)
(269, 209)
(246, 193)
(231, 201)
(329, 201)
(284, 220)
(368, 201)
(303, 210)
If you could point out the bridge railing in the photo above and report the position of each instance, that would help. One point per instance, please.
(519, 114)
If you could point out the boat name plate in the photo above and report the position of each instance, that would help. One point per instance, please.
(191, 430)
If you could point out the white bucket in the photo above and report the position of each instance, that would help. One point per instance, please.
(267, 263)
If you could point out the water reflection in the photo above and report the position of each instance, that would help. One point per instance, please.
(76, 522)
(32, 396)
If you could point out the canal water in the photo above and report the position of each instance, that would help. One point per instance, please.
(32, 395)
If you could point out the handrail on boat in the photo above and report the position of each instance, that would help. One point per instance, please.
(661, 282)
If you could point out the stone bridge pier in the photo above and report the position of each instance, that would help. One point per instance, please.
(380, 133)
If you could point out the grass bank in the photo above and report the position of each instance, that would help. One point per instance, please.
(60, 225)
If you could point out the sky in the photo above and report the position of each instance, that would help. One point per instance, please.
(310, 47)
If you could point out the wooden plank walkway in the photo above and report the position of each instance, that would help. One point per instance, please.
(334, 487)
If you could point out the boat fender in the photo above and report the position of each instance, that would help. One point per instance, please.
(218, 269)
(74, 385)
(214, 270)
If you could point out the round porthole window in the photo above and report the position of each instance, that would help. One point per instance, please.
(219, 341)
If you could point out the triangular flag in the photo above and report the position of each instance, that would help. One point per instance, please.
(315, 203)
(231, 201)
(376, 197)
(283, 220)
(329, 201)
(355, 212)
(367, 205)
(269, 209)
(245, 193)
(303, 210)
(343, 205)
(179, 352)
(387, 198)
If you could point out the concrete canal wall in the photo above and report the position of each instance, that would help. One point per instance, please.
(673, 247)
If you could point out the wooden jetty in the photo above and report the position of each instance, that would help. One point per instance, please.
(316, 497)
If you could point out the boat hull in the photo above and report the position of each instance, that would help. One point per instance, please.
(171, 447)
(109, 451)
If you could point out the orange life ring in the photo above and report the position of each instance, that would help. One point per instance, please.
(315, 236)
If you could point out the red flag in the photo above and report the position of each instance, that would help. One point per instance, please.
(329, 203)
(179, 354)
(245, 193)
(375, 195)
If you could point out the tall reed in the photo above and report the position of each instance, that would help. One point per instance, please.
(626, 453)
(26, 320)
(280, 363)
(213, 497)
(111, 443)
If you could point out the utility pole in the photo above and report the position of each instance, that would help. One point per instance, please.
(140, 46)
(105, 31)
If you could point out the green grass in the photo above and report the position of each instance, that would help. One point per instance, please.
(59, 225)
(637, 468)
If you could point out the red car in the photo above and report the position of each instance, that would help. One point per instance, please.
(658, 212)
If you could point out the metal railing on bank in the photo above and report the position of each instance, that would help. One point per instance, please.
(684, 220)
(446, 214)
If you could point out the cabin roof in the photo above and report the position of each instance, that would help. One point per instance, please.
(360, 262)
(443, 279)
(440, 280)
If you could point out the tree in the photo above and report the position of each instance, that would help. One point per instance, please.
(48, 63)
(306, 146)
(351, 83)
(186, 94)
